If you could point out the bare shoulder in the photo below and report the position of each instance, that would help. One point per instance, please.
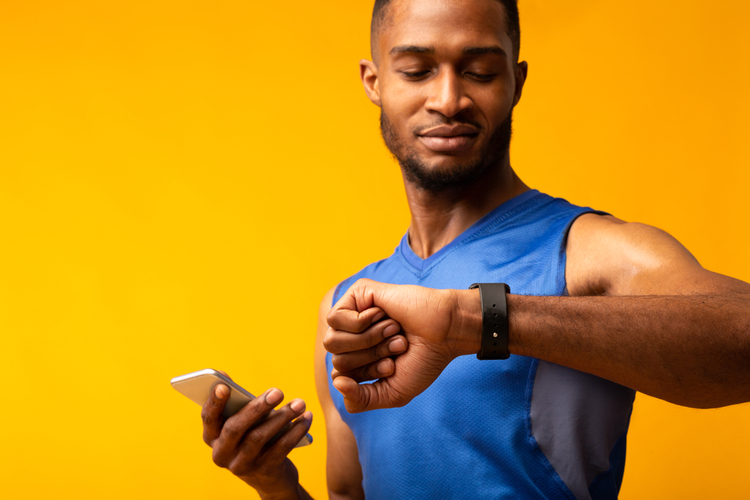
(343, 472)
(609, 256)
(321, 374)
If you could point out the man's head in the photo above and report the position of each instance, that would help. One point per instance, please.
(446, 77)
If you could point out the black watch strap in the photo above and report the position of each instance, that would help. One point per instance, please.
(494, 320)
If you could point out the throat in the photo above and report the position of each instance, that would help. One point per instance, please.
(436, 221)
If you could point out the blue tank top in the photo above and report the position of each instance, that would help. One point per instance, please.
(517, 429)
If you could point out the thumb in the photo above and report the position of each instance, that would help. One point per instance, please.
(366, 397)
(357, 398)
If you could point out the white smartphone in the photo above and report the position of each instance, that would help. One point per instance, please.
(198, 385)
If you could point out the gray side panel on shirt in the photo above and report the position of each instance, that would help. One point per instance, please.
(576, 419)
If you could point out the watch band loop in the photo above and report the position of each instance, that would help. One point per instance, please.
(494, 320)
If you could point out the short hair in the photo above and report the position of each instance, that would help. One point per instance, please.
(513, 24)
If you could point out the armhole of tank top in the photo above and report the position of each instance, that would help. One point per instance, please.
(562, 282)
(336, 293)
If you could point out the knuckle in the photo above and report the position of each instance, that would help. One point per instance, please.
(232, 430)
(208, 418)
(329, 340)
(285, 446)
(257, 436)
(337, 362)
(238, 468)
(328, 337)
(218, 458)
(376, 353)
(373, 336)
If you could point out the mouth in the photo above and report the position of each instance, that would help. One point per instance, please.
(449, 138)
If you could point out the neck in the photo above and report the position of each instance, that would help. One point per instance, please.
(438, 218)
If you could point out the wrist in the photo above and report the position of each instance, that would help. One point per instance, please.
(284, 486)
(293, 493)
(466, 324)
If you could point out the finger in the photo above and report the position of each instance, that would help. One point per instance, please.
(338, 341)
(289, 439)
(265, 433)
(251, 414)
(349, 361)
(212, 412)
(374, 371)
(366, 397)
(351, 320)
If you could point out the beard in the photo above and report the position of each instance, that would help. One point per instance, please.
(459, 176)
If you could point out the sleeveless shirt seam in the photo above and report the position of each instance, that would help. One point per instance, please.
(492, 224)
(561, 288)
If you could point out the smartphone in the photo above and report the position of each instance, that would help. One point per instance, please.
(198, 385)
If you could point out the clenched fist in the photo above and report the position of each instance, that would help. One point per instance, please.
(439, 325)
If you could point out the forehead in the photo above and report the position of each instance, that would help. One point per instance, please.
(444, 23)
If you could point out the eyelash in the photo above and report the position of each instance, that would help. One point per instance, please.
(417, 74)
(483, 78)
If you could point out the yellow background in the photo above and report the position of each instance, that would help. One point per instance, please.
(181, 182)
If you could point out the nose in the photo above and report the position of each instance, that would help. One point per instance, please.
(447, 95)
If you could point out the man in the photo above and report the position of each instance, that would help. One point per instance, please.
(598, 307)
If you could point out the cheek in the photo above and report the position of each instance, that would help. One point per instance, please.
(496, 103)
(401, 103)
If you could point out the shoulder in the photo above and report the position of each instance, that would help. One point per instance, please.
(323, 308)
(609, 256)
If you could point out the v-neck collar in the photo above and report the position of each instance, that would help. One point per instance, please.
(420, 264)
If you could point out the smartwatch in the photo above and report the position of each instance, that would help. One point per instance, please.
(494, 320)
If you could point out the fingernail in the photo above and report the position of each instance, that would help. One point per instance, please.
(384, 366)
(274, 397)
(378, 317)
(391, 329)
(221, 391)
(298, 405)
(307, 416)
(397, 345)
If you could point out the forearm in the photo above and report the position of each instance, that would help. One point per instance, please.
(689, 350)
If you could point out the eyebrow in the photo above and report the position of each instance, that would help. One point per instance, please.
(412, 49)
(478, 51)
(469, 51)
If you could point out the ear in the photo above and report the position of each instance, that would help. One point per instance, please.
(368, 72)
(522, 71)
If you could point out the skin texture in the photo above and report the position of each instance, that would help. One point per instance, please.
(642, 311)
(643, 314)
(439, 83)
(243, 444)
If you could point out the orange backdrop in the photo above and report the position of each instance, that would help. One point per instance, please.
(170, 169)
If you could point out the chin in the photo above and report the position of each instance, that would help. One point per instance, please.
(443, 173)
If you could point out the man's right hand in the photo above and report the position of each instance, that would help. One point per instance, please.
(245, 443)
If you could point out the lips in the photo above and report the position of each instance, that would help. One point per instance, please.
(449, 138)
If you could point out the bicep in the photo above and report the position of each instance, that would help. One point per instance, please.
(343, 471)
(607, 256)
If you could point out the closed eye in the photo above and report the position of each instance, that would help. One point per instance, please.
(482, 77)
(415, 74)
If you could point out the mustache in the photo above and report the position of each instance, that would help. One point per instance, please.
(472, 123)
